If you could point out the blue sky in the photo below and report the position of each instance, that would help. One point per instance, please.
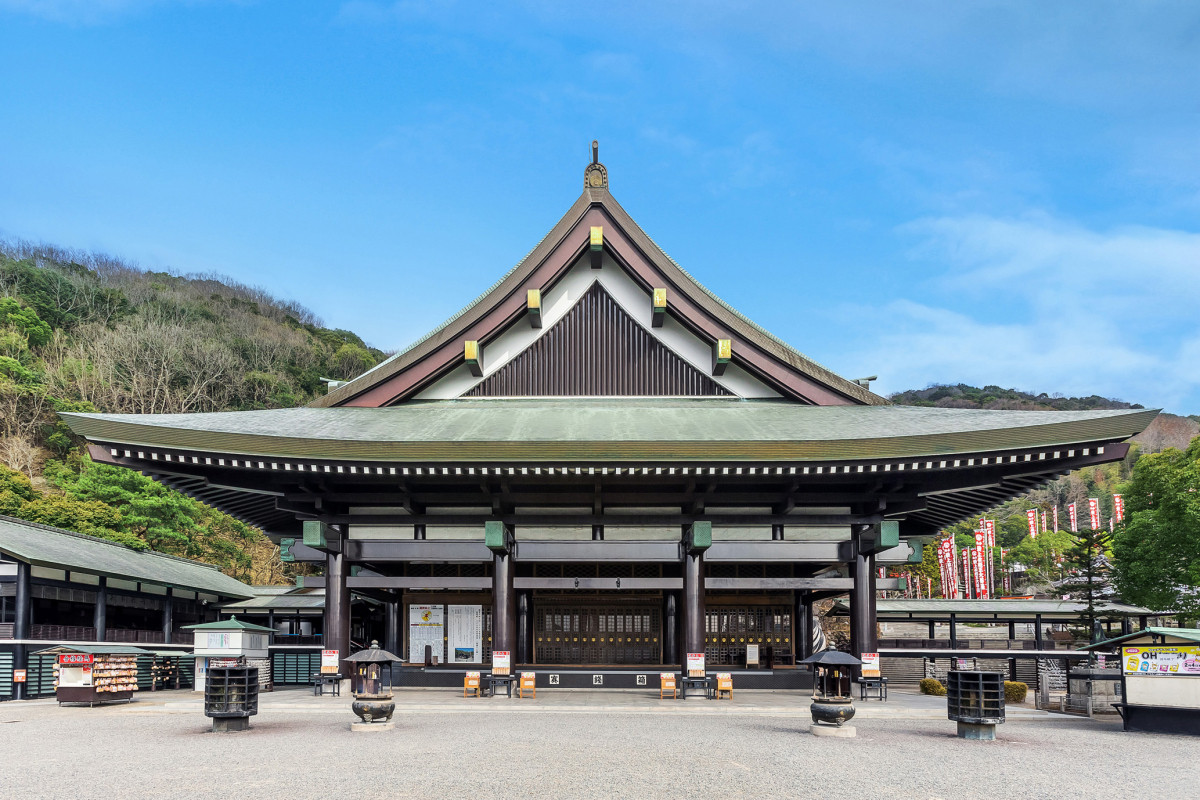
(981, 192)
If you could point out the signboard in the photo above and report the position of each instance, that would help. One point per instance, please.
(1168, 660)
(329, 662)
(219, 640)
(18, 676)
(695, 665)
(870, 665)
(425, 627)
(75, 659)
(751, 655)
(464, 634)
(501, 662)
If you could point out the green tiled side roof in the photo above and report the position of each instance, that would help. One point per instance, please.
(228, 625)
(707, 429)
(291, 597)
(44, 546)
(1187, 634)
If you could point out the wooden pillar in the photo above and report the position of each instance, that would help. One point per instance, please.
(524, 654)
(503, 600)
(391, 626)
(23, 609)
(1012, 629)
(1037, 630)
(805, 626)
(670, 651)
(337, 608)
(168, 615)
(932, 629)
(1126, 628)
(863, 636)
(271, 619)
(693, 603)
(100, 615)
(953, 631)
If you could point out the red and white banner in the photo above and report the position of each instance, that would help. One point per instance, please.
(1056, 516)
(989, 525)
(1044, 520)
(1032, 516)
(1073, 515)
(1094, 512)
(1119, 508)
(966, 573)
(981, 574)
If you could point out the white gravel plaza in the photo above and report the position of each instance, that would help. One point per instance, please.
(572, 744)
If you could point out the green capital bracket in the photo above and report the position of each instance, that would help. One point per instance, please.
(285, 550)
(315, 533)
(698, 537)
(497, 536)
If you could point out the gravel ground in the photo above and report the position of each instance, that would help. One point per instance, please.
(145, 751)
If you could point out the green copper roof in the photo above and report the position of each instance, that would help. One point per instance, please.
(231, 624)
(708, 429)
(44, 546)
(1187, 634)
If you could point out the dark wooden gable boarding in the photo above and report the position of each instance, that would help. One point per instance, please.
(597, 350)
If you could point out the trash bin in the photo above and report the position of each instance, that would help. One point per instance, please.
(976, 701)
(231, 697)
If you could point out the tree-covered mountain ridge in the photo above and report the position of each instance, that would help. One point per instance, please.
(1167, 430)
(89, 332)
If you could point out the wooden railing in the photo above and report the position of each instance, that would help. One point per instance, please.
(81, 633)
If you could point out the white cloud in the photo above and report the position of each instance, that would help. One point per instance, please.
(1046, 305)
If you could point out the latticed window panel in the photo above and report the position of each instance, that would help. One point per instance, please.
(728, 629)
(581, 633)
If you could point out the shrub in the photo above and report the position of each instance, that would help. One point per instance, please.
(932, 686)
(1015, 691)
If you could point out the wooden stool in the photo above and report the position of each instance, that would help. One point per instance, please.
(724, 684)
(528, 684)
(471, 684)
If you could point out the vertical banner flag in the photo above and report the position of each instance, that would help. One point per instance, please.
(1032, 515)
(1119, 508)
(1056, 515)
(980, 574)
(1043, 520)
(1094, 513)
(966, 563)
(1073, 515)
(991, 542)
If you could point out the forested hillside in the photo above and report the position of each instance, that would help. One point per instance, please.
(83, 332)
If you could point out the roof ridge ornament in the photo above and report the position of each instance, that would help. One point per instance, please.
(595, 176)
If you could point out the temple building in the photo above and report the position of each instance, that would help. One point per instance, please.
(599, 462)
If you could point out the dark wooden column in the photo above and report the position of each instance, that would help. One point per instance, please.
(1037, 630)
(932, 629)
(23, 609)
(100, 614)
(804, 626)
(697, 538)
(271, 619)
(524, 630)
(953, 630)
(1012, 629)
(499, 539)
(391, 626)
(1126, 628)
(862, 605)
(168, 615)
(670, 651)
(337, 608)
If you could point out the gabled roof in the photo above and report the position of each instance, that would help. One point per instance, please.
(770, 359)
(54, 548)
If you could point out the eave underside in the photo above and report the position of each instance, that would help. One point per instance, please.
(925, 494)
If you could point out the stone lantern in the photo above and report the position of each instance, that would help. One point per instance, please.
(371, 683)
(830, 704)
